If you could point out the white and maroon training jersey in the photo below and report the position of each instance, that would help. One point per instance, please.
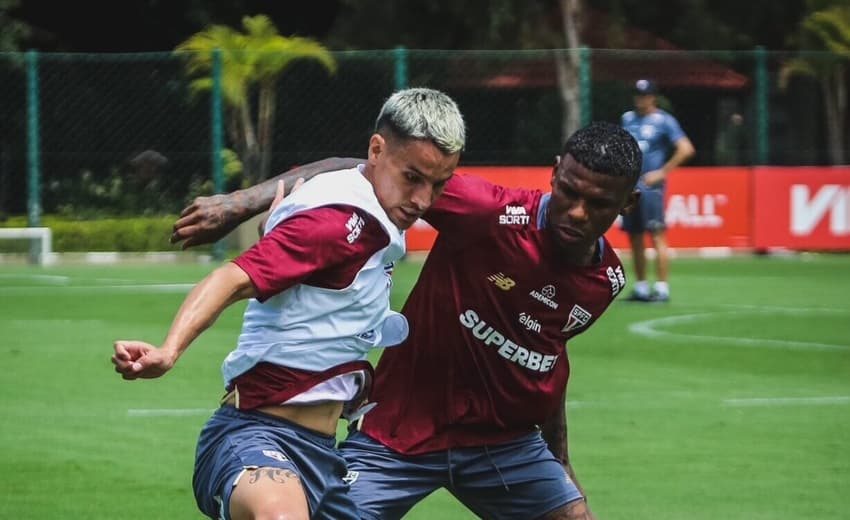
(490, 316)
(322, 272)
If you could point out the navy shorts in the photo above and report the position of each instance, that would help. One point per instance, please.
(517, 479)
(235, 440)
(648, 215)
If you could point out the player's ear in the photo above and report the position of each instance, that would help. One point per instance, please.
(555, 171)
(377, 146)
(631, 202)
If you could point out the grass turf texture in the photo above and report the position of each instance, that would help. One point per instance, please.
(733, 401)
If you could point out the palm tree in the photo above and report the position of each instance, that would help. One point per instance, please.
(252, 61)
(828, 30)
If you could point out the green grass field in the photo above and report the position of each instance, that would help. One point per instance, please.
(732, 401)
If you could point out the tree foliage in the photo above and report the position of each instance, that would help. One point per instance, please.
(252, 63)
(12, 31)
(824, 42)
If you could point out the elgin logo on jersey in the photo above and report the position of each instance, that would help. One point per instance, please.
(513, 352)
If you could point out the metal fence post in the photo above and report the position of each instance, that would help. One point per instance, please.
(33, 151)
(217, 138)
(400, 54)
(585, 86)
(762, 107)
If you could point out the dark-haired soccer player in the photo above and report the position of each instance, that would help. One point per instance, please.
(473, 400)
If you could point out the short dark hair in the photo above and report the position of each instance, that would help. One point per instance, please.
(606, 148)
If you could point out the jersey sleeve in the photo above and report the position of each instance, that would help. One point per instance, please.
(673, 129)
(316, 244)
(468, 203)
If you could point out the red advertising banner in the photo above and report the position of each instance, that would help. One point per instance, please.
(706, 207)
(802, 207)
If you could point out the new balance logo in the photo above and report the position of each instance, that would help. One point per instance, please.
(354, 226)
(514, 215)
(501, 281)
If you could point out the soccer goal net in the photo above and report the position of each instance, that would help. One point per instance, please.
(41, 242)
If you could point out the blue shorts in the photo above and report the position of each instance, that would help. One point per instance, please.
(517, 479)
(234, 440)
(649, 213)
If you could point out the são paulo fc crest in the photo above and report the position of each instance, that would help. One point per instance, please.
(579, 317)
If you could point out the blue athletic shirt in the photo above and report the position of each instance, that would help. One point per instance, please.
(656, 134)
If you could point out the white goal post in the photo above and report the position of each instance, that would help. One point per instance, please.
(44, 254)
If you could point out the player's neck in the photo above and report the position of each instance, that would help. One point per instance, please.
(588, 256)
(647, 111)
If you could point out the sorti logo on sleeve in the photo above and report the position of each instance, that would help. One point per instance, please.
(617, 279)
(514, 215)
(354, 226)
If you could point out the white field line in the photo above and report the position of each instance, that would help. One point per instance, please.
(127, 288)
(653, 329)
(168, 412)
(48, 278)
(61, 279)
(752, 402)
(789, 401)
(43, 322)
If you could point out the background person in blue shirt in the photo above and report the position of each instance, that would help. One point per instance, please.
(665, 146)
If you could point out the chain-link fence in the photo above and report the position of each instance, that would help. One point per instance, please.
(123, 134)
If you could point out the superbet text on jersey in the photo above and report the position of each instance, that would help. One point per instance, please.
(490, 318)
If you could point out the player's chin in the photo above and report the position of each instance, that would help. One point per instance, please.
(568, 239)
(573, 246)
(403, 220)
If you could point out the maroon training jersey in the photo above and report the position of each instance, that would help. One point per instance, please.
(312, 248)
(490, 316)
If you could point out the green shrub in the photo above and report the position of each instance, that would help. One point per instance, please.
(107, 234)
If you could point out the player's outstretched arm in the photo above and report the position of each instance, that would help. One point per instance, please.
(208, 219)
(221, 288)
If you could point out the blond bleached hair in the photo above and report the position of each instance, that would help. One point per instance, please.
(424, 113)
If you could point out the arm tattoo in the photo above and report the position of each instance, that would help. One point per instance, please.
(256, 199)
(278, 475)
(577, 510)
(554, 432)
